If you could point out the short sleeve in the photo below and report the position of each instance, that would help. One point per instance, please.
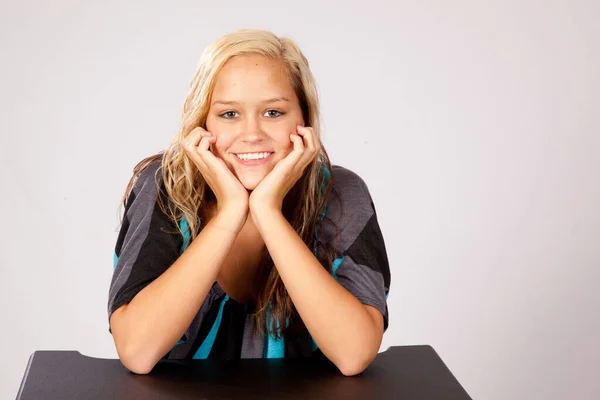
(148, 242)
(351, 225)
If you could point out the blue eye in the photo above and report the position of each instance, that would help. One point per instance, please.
(277, 113)
(228, 114)
(268, 114)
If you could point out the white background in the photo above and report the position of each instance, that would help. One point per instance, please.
(474, 124)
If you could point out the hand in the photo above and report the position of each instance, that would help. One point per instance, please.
(232, 196)
(271, 191)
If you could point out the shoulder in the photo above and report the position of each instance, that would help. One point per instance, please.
(148, 184)
(349, 207)
(351, 197)
(146, 191)
(349, 184)
(149, 179)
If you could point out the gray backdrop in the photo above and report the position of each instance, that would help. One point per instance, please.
(474, 124)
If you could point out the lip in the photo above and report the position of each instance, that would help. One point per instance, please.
(253, 163)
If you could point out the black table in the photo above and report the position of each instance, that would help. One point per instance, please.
(406, 372)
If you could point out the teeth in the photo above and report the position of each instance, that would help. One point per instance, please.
(252, 156)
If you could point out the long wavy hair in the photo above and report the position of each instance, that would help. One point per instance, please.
(187, 191)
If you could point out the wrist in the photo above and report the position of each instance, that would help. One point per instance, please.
(256, 205)
(262, 214)
(230, 219)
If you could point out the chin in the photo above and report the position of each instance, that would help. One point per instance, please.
(250, 183)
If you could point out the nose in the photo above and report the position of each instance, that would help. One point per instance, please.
(252, 131)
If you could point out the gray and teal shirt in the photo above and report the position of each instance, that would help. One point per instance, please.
(149, 243)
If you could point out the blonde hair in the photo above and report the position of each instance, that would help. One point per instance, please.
(187, 191)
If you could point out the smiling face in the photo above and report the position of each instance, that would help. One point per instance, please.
(253, 111)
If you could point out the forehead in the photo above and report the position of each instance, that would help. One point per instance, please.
(252, 77)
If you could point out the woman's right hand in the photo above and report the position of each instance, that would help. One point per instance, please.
(232, 196)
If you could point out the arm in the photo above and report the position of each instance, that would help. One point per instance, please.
(348, 332)
(154, 316)
(146, 328)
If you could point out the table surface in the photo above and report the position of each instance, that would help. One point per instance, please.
(401, 372)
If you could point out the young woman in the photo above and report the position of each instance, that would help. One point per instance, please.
(241, 240)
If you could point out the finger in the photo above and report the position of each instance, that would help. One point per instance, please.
(212, 162)
(298, 149)
(205, 143)
(307, 133)
(191, 142)
(194, 137)
(298, 142)
(199, 160)
(290, 161)
(203, 148)
(312, 149)
(194, 140)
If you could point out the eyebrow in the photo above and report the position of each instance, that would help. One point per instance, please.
(267, 101)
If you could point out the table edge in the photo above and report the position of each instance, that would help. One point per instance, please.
(27, 369)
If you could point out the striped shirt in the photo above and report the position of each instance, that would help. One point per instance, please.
(149, 243)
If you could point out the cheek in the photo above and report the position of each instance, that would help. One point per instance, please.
(223, 139)
(214, 125)
(282, 137)
(220, 147)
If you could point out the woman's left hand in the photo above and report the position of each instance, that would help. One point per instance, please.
(271, 191)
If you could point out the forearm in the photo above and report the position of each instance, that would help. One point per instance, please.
(157, 317)
(339, 323)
